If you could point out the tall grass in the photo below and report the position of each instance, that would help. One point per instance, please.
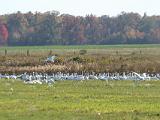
(98, 59)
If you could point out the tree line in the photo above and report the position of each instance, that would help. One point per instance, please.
(53, 28)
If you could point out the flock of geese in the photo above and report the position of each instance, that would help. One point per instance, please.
(41, 78)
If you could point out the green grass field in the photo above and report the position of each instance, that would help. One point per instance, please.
(97, 49)
(86, 46)
(75, 100)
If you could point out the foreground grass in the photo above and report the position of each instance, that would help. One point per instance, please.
(75, 100)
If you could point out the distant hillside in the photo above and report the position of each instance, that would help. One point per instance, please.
(53, 28)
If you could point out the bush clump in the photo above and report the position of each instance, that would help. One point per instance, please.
(77, 59)
(83, 52)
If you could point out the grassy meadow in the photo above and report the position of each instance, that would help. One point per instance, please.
(98, 58)
(100, 49)
(76, 100)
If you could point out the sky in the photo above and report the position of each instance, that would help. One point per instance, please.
(82, 7)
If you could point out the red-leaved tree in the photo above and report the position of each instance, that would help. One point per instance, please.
(3, 34)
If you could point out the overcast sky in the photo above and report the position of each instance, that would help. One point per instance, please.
(82, 7)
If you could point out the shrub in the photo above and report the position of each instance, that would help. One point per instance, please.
(83, 52)
(59, 60)
(77, 59)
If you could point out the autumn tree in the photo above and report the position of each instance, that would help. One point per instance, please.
(3, 33)
(53, 28)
